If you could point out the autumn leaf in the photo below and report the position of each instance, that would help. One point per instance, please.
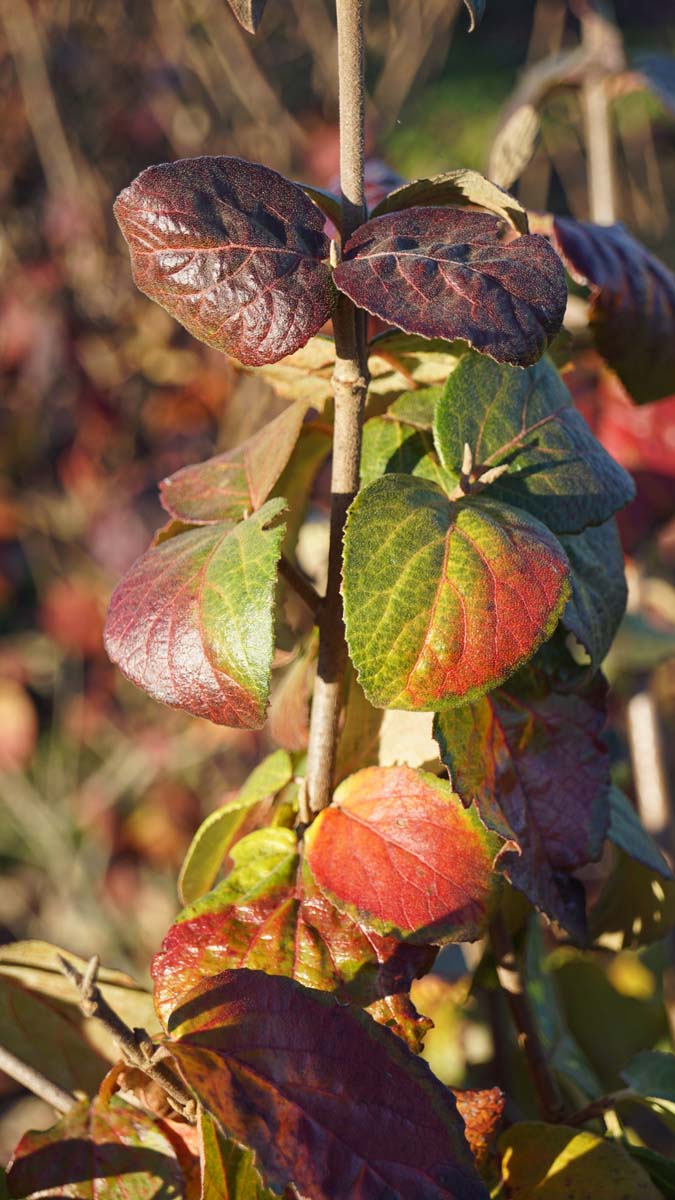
(461, 188)
(229, 1170)
(559, 1163)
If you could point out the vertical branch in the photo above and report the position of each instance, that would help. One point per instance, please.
(602, 40)
(349, 389)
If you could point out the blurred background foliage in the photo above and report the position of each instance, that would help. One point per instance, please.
(103, 395)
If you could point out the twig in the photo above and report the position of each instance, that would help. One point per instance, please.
(300, 584)
(349, 388)
(136, 1046)
(528, 1035)
(36, 1082)
(597, 1108)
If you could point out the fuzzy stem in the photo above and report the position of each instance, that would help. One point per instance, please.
(349, 390)
(34, 1081)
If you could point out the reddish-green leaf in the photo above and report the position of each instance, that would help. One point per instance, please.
(192, 621)
(98, 1151)
(232, 250)
(399, 851)
(248, 13)
(444, 600)
(461, 188)
(632, 303)
(328, 1099)
(532, 759)
(598, 601)
(268, 915)
(235, 484)
(444, 273)
(482, 1115)
(228, 1170)
(558, 471)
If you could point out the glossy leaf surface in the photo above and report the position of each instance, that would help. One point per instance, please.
(248, 13)
(557, 471)
(443, 273)
(267, 915)
(232, 250)
(399, 851)
(532, 759)
(555, 1162)
(460, 188)
(444, 600)
(632, 303)
(192, 621)
(98, 1150)
(231, 486)
(290, 1072)
(599, 593)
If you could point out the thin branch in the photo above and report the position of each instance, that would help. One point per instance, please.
(300, 584)
(136, 1046)
(598, 1108)
(35, 1082)
(528, 1035)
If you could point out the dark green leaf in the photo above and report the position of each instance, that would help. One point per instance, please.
(400, 441)
(661, 1170)
(636, 906)
(629, 834)
(599, 593)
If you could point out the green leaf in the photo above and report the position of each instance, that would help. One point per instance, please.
(629, 834)
(229, 1171)
(555, 1162)
(268, 915)
(400, 441)
(652, 1074)
(599, 593)
(461, 188)
(636, 905)
(192, 621)
(216, 834)
(444, 600)
(398, 361)
(558, 471)
(661, 1170)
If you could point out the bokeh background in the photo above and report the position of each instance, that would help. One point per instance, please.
(103, 395)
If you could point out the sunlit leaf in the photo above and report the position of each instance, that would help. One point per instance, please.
(216, 834)
(229, 1171)
(291, 1073)
(398, 851)
(443, 273)
(533, 760)
(444, 600)
(461, 188)
(558, 471)
(599, 593)
(514, 145)
(231, 486)
(632, 312)
(305, 374)
(232, 250)
(482, 1115)
(248, 13)
(192, 621)
(268, 915)
(636, 905)
(399, 361)
(555, 1162)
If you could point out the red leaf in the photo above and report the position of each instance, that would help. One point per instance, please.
(232, 485)
(397, 849)
(232, 250)
(328, 1099)
(443, 273)
(192, 621)
(482, 1115)
(632, 309)
(533, 761)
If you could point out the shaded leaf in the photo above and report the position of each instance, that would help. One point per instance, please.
(651, 1073)
(557, 471)
(629, 834)
(599, 593)
(460, 188)
(533, 760)
(400, 361)
(359, 740)
(661, 1170)
(192, 621)
(632, 311)
(231, 486)
(636, 906)
(232, 250)
(444, 600)
(399, 443)
(297, 479)
(268, 915)
(291, 1073)
(398, 851)
(248, 13)
(443, 273)
(482, 1115)
(98, 1150)
(305, 374)
(558, 1163)
(476, 12)
(658, 72)
(289, 710)
(229, 1170)
(216, 834)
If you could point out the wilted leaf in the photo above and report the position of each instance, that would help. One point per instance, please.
(482, 1115)
(192, 621)
(231, 486)
(216, 834)
(629, 834)
(98, 1150)
(399, 852)
(532, 759)
(400, 442)
(555, 1162)
(476, 12)
(632, 313)
(557, 470)
(462, 188)
(290, 1072)
(599, 593)
(268, 915)
(443, 273)
(229, 1171)
(248, 13)
(232, 250)
(444, 600)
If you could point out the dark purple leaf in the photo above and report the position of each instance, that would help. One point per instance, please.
(444, 273)
(232, 250)
(632, 310)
